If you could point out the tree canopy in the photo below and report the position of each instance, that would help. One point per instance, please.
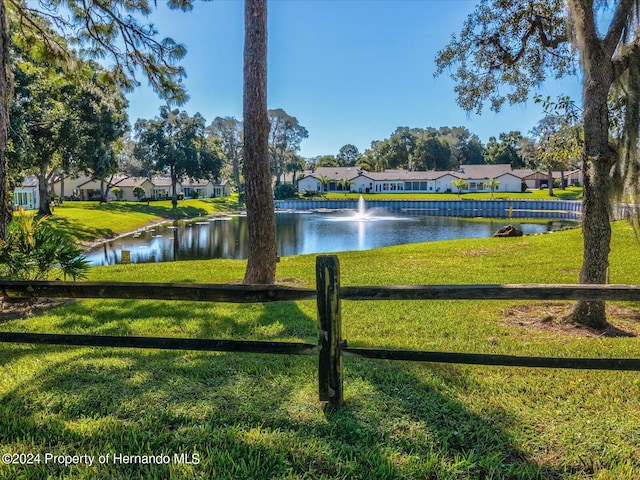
(63, 122)
(445, 148)
(175, 143)
(99, 30)
(506, 48)
(285, 136)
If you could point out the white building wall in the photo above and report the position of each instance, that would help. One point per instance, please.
(509, 183)
(309, 183)
(362, 184)
(70, 184)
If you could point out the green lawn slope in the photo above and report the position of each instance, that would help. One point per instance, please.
(91, 221)
(258, 416)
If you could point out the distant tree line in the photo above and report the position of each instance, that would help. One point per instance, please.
(551, 145)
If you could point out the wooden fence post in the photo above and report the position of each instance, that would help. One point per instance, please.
(330, 375)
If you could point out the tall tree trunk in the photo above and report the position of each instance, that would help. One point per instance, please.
(261, 222)
(5, 93)
(550, 182)
(174, 188)
(236, 175)
(43, 190)
(598, 158)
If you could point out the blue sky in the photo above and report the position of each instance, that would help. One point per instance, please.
(351, 71)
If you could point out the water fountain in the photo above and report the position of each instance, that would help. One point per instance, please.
(362, 214)
(362, 209)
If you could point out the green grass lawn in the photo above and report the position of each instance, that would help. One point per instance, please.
(88, 221)
(258, 416)
(570, 193)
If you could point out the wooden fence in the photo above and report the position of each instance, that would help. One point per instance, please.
(330, 348)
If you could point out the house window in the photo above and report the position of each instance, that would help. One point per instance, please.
(472, 186)
(480, 186)
(23, 199)
(160, 193)
(424, 186)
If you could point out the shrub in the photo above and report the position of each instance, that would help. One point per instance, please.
(139, 192)
(308, 193)
(34, 251)
(284, 190)
(117, 192)
(95, 195)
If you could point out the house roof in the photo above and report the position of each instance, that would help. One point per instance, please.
(30, 182)
(116, 180)
(405, 175)
(336, 173)
(132, 181)
(190, 182)
(522, 172)
(469, 172)
(532, 175)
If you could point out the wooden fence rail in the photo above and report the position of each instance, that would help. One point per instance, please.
(330, 348)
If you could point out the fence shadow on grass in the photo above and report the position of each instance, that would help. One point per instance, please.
(453, 442)
(247, 416)
(197, 319)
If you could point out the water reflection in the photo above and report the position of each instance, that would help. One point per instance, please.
(297, 233)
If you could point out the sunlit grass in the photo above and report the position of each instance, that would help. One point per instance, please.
(258, 416)
(88, 221)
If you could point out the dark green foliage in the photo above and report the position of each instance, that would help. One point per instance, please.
(348, 155)
(505, 49)
(175, 143)
(63, 122)
(285, 136)
(445, 148)
(284, 190)
(229, 131)
(505, 150)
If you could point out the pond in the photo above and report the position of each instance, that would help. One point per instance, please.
(297, 233)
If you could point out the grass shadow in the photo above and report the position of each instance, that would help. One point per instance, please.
(245, 416)
(79, 230)
(461, 443)
(269, 321)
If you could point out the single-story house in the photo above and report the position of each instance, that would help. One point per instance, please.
(89, 189)
(330, 179)
(65, 186)
(536, 180)
(478, 176)
(27, 194)
(331, 176)
(205, 188)
(156, 187)
(128, 188)
(406, 181)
